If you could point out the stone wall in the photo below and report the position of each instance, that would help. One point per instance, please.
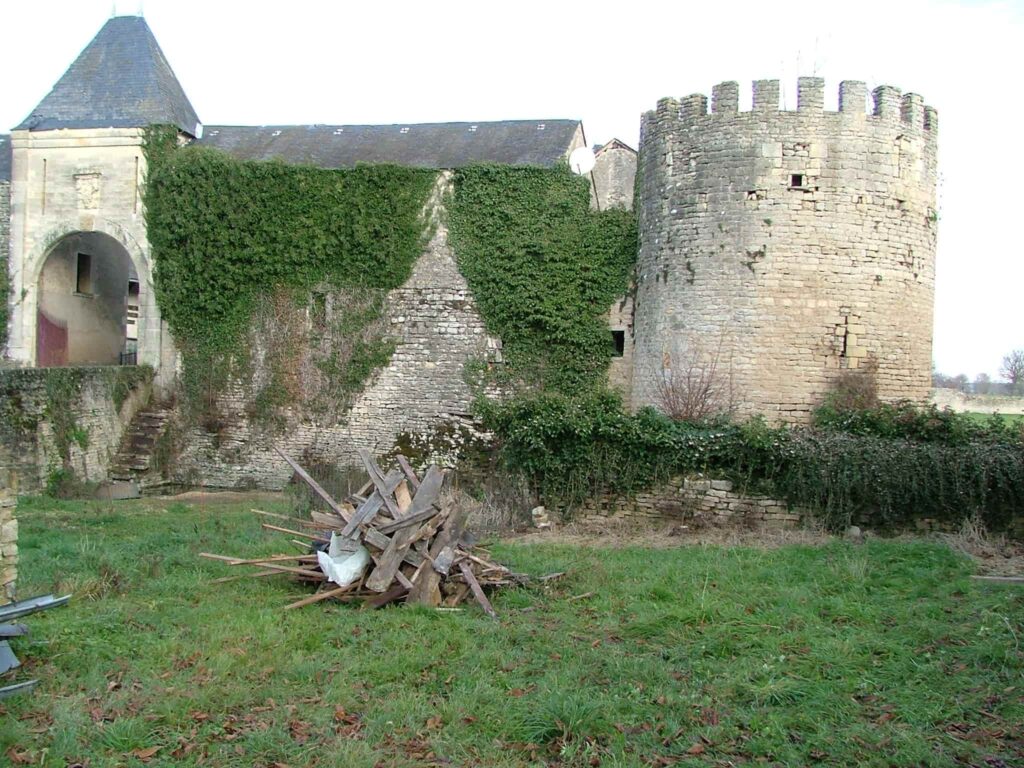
(695, 500)
(30, 450)
(5, 244)
(962, 402)
(614, 176)
(437, 330)
(8, 546)
(788, 246)
(72, 181)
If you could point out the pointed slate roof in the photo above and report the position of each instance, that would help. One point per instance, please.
(423, 145)
(120, 80)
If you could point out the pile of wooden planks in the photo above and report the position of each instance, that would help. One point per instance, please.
(406, 536)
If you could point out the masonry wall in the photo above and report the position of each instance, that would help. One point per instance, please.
(71, 181)
(29, 452)
(5, 242)
(437, 330)
(787, 246)
(962, 402)
(700, 501)
(8, 546)
(614, 176)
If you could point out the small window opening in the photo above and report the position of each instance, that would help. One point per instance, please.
(619, 340)
(83, 277)
(796, 181)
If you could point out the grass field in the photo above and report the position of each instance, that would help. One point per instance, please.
(881, 654)
(986, 418)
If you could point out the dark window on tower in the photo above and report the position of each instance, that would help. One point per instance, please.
(796, 181)
(619, 340)
(83, 276)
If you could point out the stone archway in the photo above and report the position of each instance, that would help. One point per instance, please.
(87, 309)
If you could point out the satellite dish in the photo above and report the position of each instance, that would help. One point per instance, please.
(582, 161)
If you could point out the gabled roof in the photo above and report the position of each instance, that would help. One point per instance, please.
(120, 80)
(5, 157)
(424, 145)
(613, 144)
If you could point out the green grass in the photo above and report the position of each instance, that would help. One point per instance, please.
(986, 418)
(883, 654)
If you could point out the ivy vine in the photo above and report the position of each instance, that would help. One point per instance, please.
(544, 269)
(228, 235)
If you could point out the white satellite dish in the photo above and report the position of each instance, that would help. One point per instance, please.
(582, 161)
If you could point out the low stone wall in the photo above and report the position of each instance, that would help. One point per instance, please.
(697, 499)
(8, 546)
(69, 419)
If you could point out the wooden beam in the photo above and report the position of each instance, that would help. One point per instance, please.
(335, 506)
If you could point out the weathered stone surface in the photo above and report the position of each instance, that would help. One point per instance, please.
(437, 328)
(8, 546)
(697, 499)
(28, 452)
(789, 245)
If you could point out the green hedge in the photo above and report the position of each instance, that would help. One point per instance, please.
(572, 448)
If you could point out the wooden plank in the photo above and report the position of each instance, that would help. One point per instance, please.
(267, 566)
(426, 587)
(1001, 579)
(338, 509)
(403, 497)
(330, 522)
(369, 509)
(318, 597)
(392, 557)
(478, 593)
(378, 601)
(408, 470)
(405, 522)
(377, 478)
(256, 575)
(300, 534)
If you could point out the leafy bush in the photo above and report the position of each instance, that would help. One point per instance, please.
(571, 448)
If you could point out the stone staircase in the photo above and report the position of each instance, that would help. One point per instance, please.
(134, 457)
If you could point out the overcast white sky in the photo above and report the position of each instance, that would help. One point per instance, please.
(309, 61)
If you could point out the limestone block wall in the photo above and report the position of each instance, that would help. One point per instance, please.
(614, 176)
(5, 242)
(8, 546)
(698, 500)
(787, 245)
(437, 330)
(620, 371)
(29, 452)
(68, 181)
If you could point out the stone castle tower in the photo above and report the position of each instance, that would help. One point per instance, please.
(786, 246)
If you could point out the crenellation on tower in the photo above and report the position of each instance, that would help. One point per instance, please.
(789, 244)
(853, 97)
(887, 102)
(725, 98)
(766, 96)
(810, 94)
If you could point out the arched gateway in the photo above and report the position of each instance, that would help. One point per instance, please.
(88, 303)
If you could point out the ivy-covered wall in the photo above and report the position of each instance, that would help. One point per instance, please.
(59, 426)
(324, 311)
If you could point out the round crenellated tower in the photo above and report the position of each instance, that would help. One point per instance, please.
(781, 248)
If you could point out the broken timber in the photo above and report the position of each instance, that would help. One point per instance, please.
(409, 531)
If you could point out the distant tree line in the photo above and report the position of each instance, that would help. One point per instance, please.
(1011, 371)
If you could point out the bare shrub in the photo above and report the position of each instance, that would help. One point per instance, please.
(695, 386)
(855, 389)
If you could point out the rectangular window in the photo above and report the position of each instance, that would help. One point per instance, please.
(796, 181)
(619, 340)
(83, 279)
